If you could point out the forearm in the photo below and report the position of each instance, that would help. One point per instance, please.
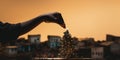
(51, 17)
(29, 25)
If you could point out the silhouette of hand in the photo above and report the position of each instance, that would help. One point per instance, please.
(55, 18)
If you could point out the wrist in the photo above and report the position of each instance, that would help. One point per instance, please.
(41, 18)
(44, 18)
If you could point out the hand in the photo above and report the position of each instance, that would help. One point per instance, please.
(50, 17)
(55, 18)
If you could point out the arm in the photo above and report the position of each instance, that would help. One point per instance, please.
(31, 24)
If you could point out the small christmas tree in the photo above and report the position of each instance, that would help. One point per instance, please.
(67, 47)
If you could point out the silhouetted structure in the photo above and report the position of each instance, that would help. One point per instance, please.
(112, 37)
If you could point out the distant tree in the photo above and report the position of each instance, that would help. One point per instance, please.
(67, 46)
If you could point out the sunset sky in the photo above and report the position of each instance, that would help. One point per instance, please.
(84, 18)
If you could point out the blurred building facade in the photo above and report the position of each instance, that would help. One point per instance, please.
(54, 41)
(34, 39)
(97, 52)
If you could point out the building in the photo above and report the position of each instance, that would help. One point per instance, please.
(79, 45)
(112, 37)
(97, 52)
(115, 51)
(115, 48)
(84, 52)
(11, 50)
(24, 48)
(89, 42)
(54, 41)
(23, 45)
(34, 39)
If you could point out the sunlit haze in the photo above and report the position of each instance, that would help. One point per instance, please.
(84, 18)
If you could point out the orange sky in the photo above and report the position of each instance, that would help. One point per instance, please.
(84, 18)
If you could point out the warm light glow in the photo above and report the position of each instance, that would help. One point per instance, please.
(84, 18)
(67, 29)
